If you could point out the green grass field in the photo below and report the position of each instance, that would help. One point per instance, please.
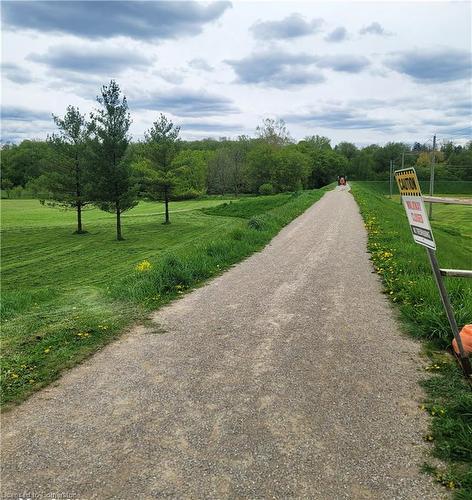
(31, 214)
(406, 274)
(445, 187)
(65, 295)
(455, 220)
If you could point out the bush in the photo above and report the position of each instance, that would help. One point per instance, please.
(189, 194)
(257, 223)
(266, 189)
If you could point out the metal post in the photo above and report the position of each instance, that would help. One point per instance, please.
(391, 178)
(431, 179)
(448, 308)
(403, 166)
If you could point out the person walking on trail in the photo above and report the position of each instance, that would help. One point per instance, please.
(342, 184)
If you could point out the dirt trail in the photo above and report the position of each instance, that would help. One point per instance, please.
(286, 377)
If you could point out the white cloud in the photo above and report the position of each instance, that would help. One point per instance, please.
(215, 67)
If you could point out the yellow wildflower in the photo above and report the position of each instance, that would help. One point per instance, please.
(143, 266)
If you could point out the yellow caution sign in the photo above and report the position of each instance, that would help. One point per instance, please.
(407, 182)
(412, 200)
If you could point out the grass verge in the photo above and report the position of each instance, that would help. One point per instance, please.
(406, 274)
(64, 296)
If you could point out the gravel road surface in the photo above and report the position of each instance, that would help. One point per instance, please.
(286, 377)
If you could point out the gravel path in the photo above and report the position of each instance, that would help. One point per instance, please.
(286, 377)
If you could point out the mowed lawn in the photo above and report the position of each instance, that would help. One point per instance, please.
(39, 248)
(453, 219)
(31, 213)
(65, 295)
(55, 284)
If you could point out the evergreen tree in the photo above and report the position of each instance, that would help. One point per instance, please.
(113, 187)
(162, 144)
(68, 175)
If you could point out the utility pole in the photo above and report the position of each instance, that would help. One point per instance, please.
(391, 177)
(431, 178)
(403, 166)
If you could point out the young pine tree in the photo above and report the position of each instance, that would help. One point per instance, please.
(113, 188)
(162, 143)
(69, 172)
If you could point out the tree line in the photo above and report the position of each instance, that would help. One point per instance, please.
(93, 161)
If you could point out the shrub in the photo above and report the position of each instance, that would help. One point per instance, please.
(257, 223)
(266, 189)
(189, 194)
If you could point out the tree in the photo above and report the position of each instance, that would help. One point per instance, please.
(162, 145)
(113, 187)
(347, 149)
(459, 162)
(426, 158)
(238, 151)
(362, 165)
(383, 156)
(260, 165)
(69, 170)
(227, 167)
(418, 147)
(26, 161)
(219, 167)
(190, 169)
(290, 170)
(318, 142)
(326, 164)
(274, 132)
(7, 185)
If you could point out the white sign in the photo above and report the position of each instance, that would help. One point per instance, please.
(414, 207)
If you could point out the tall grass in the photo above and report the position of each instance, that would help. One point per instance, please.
(406, 274)
(179, 270)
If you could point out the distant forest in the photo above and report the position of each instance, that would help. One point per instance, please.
(270, 162)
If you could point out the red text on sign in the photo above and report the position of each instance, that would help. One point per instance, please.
(413, 205)
(417, 217)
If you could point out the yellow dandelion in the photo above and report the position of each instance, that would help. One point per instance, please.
(144, 266)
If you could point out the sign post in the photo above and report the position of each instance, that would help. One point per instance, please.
(422, 233)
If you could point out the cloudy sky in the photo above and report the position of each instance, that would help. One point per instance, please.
(358, 71)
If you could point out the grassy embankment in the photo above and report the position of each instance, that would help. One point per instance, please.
(445, 187)
(65, 295)
(406, 274)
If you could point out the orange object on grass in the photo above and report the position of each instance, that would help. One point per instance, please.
(466, 337)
